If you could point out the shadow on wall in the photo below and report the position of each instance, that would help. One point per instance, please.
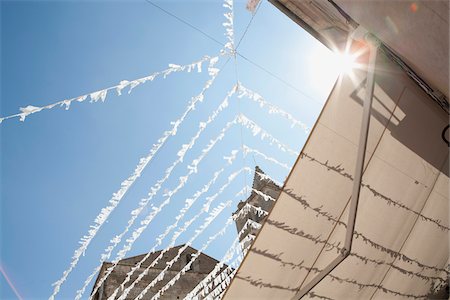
(441, 294)
(420, 126)
(337, 247)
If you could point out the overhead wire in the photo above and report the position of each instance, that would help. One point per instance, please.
(248, 25)
(265, 70)
(244, 162)
(185, 22)
(237, 82)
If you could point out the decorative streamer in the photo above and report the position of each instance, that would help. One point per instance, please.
(219, 290)
(230, 252)
(155, 210)
(248, 150)
(175, 236)
(215, 212)
(189, 203)
(250, 208)
(213, 274)
(223, 279)
(188, 265)
(273, 109)
(242, 119)
(125, 185)
(244, 210)
(267, 177)
(144, 202)
(249, 222)
(264, 196)
(258, 130)
(229, 27)
(217, 281)
(252, 224)
(101, 94)
(219, 284)
(245, 190)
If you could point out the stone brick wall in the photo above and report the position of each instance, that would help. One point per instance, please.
(200, 268)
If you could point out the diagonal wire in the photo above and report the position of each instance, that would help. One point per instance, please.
(248, 26)
(237, 53)
(185, 22)
(244, 162)
(278, 78)
(237, 82)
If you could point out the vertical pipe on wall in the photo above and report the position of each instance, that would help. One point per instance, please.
(370, 83)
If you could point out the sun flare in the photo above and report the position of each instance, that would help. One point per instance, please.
(325, 66)
(344, 62)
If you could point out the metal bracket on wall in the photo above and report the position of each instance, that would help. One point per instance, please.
(374, 45)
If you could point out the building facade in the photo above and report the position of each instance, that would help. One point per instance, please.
(201, 267)
(252, 212)
(400, 243)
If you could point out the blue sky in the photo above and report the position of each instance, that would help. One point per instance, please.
(59, 168)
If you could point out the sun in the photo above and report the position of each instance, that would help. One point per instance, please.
(324, 66)
(344, 62)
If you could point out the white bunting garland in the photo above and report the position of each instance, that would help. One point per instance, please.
(229, 26)
(211, 275)
(154, 190)
(251, 224)
(273, 109)
(156, 210)
(258, 130)
(175, 236)
(188, 204)
(231, 251)
(250, 208)
(241, 119)
(267, 177)
(219, 290)
(193, 168)
(248, 150)
(222, 276)
(101, 94)
(189, 264)
(212, 216)
(264, 196)
(245, 191)
(126, 184)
